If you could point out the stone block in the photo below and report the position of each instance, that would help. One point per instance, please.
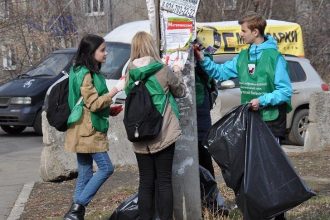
(317, 135)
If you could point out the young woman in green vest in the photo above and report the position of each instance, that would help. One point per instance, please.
(262, 73)
(155, 156)
(88, 123)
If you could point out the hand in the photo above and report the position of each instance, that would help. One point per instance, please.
(177, 65)
(115, 110)
(198, 53)
(121, 84)
(254, 104)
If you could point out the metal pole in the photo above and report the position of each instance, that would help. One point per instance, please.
(186, 183)
(153, 14)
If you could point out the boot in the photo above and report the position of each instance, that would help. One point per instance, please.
(280, 217)
(76, 212)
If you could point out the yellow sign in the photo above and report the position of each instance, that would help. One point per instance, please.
(223, 37)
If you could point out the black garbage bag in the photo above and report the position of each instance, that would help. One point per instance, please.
(225, 141)
(127, 210)
(268, 185)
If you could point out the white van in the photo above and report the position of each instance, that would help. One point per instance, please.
(119, 47)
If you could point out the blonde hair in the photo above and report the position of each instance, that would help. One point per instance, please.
(143, 45)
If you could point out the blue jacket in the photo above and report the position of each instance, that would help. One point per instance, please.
(283, 89)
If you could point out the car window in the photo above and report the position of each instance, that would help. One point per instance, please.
(296, 72)
(52, 65)
(118, 54)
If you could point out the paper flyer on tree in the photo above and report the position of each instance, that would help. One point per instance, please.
(177, 33)
(177, 30)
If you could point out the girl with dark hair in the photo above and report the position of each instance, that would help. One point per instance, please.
(89, 101)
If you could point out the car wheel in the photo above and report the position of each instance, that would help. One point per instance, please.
(37, 124)
(299, 127)
(11, 129)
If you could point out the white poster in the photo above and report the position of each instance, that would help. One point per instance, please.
(176, 35)
(187, 8)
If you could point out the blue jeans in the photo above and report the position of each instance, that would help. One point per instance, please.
(87, 184)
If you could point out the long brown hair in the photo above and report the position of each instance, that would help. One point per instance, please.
(143, 45)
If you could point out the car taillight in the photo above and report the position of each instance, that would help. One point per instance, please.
(325, 87)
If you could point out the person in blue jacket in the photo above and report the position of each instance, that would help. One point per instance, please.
(262, 73)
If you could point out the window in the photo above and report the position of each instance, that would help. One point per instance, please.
(52, 65)
(118, 54)
(94, 7)
(296, 72)
(4, 9)
(8, 57)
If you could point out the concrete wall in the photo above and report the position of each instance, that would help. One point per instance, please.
(318, 131)
(56, 164)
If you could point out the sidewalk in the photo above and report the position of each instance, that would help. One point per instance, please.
(14, 175)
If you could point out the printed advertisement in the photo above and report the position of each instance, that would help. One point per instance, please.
(177, 33)
(223, 37)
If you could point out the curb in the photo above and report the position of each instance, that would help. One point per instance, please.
(22, 198)
(320, 180)
(292, 148)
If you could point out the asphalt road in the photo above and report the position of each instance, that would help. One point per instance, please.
(19, 164)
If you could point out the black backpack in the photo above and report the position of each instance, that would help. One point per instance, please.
(141, 118)
(58, 109)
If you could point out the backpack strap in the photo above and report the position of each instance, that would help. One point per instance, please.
(167, 94)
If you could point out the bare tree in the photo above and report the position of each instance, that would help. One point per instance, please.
(32, 29)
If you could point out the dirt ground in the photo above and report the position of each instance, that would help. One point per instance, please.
(51, 200)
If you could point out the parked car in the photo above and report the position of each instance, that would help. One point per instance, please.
(304, 80)
(22, 98)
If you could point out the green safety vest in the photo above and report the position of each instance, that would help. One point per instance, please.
(100, 119)
(158, 96)
(262, 81)
(201, 85)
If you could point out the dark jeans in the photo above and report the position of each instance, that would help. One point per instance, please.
(154, 167)
(205, 159)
